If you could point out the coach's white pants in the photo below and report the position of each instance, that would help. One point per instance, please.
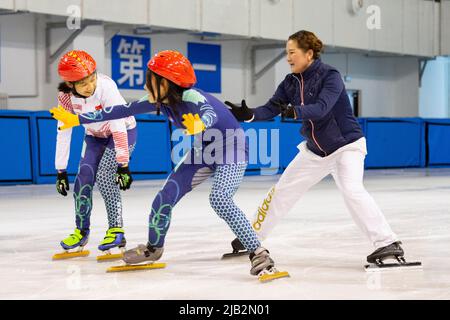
(346, 165)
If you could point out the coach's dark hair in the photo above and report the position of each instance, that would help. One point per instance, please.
(306, 40)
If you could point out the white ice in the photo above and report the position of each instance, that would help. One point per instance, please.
(317, 243)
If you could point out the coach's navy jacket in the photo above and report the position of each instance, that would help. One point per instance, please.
(321, 102)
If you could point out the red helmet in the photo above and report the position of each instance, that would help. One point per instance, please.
(76, 65)
(173, 66)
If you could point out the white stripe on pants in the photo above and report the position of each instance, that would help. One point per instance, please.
(346, 165)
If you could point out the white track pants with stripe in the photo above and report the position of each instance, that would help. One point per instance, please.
(346, 165)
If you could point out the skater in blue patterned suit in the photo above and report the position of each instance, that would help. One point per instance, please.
(170, 80)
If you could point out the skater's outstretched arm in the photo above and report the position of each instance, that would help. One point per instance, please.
(108, 113)
(266, 112)
(272, 108)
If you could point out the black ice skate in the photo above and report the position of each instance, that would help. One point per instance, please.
(238, 250)
(394, 252)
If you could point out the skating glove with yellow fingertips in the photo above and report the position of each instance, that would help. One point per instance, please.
(193, 124)
(69, 119)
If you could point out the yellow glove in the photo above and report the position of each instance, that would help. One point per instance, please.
(69, 119)
(193, 124)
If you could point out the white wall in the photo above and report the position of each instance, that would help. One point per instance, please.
(434, 92)
(445, 27)
(40, 95)
(18, 55)
(389, 85)
(23, 59)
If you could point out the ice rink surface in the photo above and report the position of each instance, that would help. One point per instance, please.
(317, 243)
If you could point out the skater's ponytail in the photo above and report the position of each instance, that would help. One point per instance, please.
(174, 93)
(64, 88)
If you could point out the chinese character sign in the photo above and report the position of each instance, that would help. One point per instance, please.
(129, 56)
(206, 60)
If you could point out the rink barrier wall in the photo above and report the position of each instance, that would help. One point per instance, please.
(28, 141)
(395, 142)
(16, 146)
(438, 141)
(32, 136)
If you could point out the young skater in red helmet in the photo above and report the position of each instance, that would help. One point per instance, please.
(106, 150)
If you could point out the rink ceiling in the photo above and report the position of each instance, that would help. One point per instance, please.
(333, 20)
(317, 243)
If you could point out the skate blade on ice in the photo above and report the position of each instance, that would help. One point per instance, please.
(393, 266)
(134, 267)
(69, 255)
(266, 276)
(235, 254)
(109, 257)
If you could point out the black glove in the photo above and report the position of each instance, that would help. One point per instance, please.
(286, 111)
(123, 178)
(62, 183)
(242, 113)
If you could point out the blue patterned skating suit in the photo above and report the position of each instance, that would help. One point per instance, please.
(227, 164)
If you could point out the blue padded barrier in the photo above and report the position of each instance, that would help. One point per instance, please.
(151, 158)
(28, 141)
(16, 148)
(395, 142)
(438, 142)
(44, 142)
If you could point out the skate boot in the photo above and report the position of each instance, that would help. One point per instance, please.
(264, 267)
(77, 240)
(394, 252)
(134, 258)
(238, 250)
(114, 238)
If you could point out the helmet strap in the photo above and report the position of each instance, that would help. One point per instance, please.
(158, 89)
(158, 99)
